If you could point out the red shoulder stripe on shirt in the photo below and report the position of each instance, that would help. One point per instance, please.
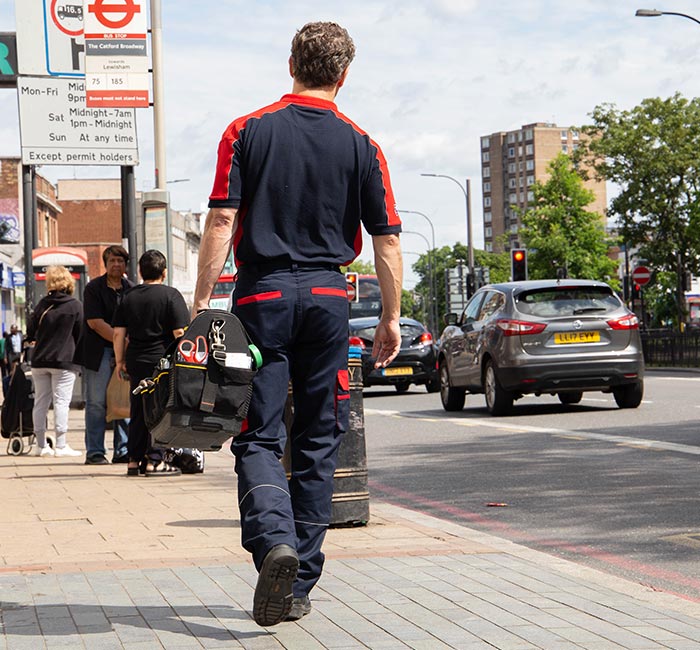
(392, 215)
(224, 162)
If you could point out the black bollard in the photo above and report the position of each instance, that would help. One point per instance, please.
(350, 505)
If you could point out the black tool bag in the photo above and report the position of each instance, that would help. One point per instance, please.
(201, 403)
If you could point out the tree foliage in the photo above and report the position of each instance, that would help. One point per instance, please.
(561, 233)
(651, 153)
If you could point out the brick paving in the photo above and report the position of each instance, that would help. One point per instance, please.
(92, 559)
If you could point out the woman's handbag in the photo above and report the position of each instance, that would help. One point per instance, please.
(118, 398)
(200, 391)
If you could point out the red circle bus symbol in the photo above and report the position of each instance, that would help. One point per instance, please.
(68, 16)
(102, 9)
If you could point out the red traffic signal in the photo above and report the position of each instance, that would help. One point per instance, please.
(518, 264)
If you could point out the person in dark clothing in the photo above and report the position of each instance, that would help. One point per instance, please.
(13, 347)
(99, 302)
(295, 181)
(54, 331)
(151, 316)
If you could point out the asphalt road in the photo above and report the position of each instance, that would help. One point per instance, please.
(610, 488)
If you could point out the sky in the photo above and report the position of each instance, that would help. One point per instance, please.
(429, 79)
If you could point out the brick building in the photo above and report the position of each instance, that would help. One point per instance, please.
(510, 163)
(48, 213)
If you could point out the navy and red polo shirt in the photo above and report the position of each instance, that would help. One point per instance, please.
(303, 177)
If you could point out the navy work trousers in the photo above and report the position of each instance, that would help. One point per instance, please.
(298, 317)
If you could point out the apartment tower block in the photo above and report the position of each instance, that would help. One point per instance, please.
(511, 162)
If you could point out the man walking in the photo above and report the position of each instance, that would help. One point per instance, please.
(102, 295)
(294, 182)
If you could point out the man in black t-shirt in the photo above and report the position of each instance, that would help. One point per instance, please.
(151, 315)
(99, 302)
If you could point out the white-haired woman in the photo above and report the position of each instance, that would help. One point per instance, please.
(55, 328)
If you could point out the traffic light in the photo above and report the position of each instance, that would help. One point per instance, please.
(518, 264)
(353, 281)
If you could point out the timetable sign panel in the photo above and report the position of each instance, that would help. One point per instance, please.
(116, 53)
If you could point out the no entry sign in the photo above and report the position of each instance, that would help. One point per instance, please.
(641, 276)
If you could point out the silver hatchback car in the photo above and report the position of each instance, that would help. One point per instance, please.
(556, 337)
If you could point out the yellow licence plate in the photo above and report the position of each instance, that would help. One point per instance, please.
(561, 338)
(390, 372)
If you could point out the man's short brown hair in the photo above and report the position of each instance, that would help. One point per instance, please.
(117, 251)
(321, 52)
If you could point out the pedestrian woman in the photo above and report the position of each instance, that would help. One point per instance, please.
(54, 331)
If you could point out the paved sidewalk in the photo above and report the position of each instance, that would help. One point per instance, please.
(92, 559)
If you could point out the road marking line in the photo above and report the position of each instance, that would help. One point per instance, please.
(656, 445)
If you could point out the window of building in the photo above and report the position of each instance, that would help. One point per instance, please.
(512, 198)
(514, 227)
(488, 246)
(530, 196)
(511, 168)
(521, 181)
(530, 165)
(530, 179)
(487, 186)
(574, 146)
(488, 231)
(564, 134)
(511, 152)
(565, 148)
(485, 156)
(522, 197)
(529, 149)
(521, 166)
(528, 134)
(520, 136)
(487, 172)
(520, 151)
(574, 134)
(487, 201)
(511, 138)
(511, 183)
(485, 143)
(487, 217)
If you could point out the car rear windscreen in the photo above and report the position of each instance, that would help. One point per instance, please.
(567, 301)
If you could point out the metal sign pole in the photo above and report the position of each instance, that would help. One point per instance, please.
(29, 210)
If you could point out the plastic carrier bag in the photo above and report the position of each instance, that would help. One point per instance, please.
(200, 391)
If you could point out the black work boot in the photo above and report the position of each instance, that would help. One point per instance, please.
(300, 607)
(273, 593)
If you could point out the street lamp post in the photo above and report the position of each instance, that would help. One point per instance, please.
(466, 189)
(433, 297)
(653, 13)
(431, 266)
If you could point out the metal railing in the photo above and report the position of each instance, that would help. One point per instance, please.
(671, 349)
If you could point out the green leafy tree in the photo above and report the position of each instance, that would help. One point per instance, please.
(651, 153)
(360, 266)
(445, 258)
(561, 233)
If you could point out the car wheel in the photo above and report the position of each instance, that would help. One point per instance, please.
(498, 400)
(402, 387)
(629, 396)
(433, 385)
(570, 398)
(452, 398)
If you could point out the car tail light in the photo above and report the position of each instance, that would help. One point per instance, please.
(628, 322)
(356, 340)
(519, 327)
(425, 338)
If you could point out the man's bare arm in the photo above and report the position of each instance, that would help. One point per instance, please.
(102, 327)
(388, 263)
(219, 230)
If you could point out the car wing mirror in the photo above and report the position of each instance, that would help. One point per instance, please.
(450, 319)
